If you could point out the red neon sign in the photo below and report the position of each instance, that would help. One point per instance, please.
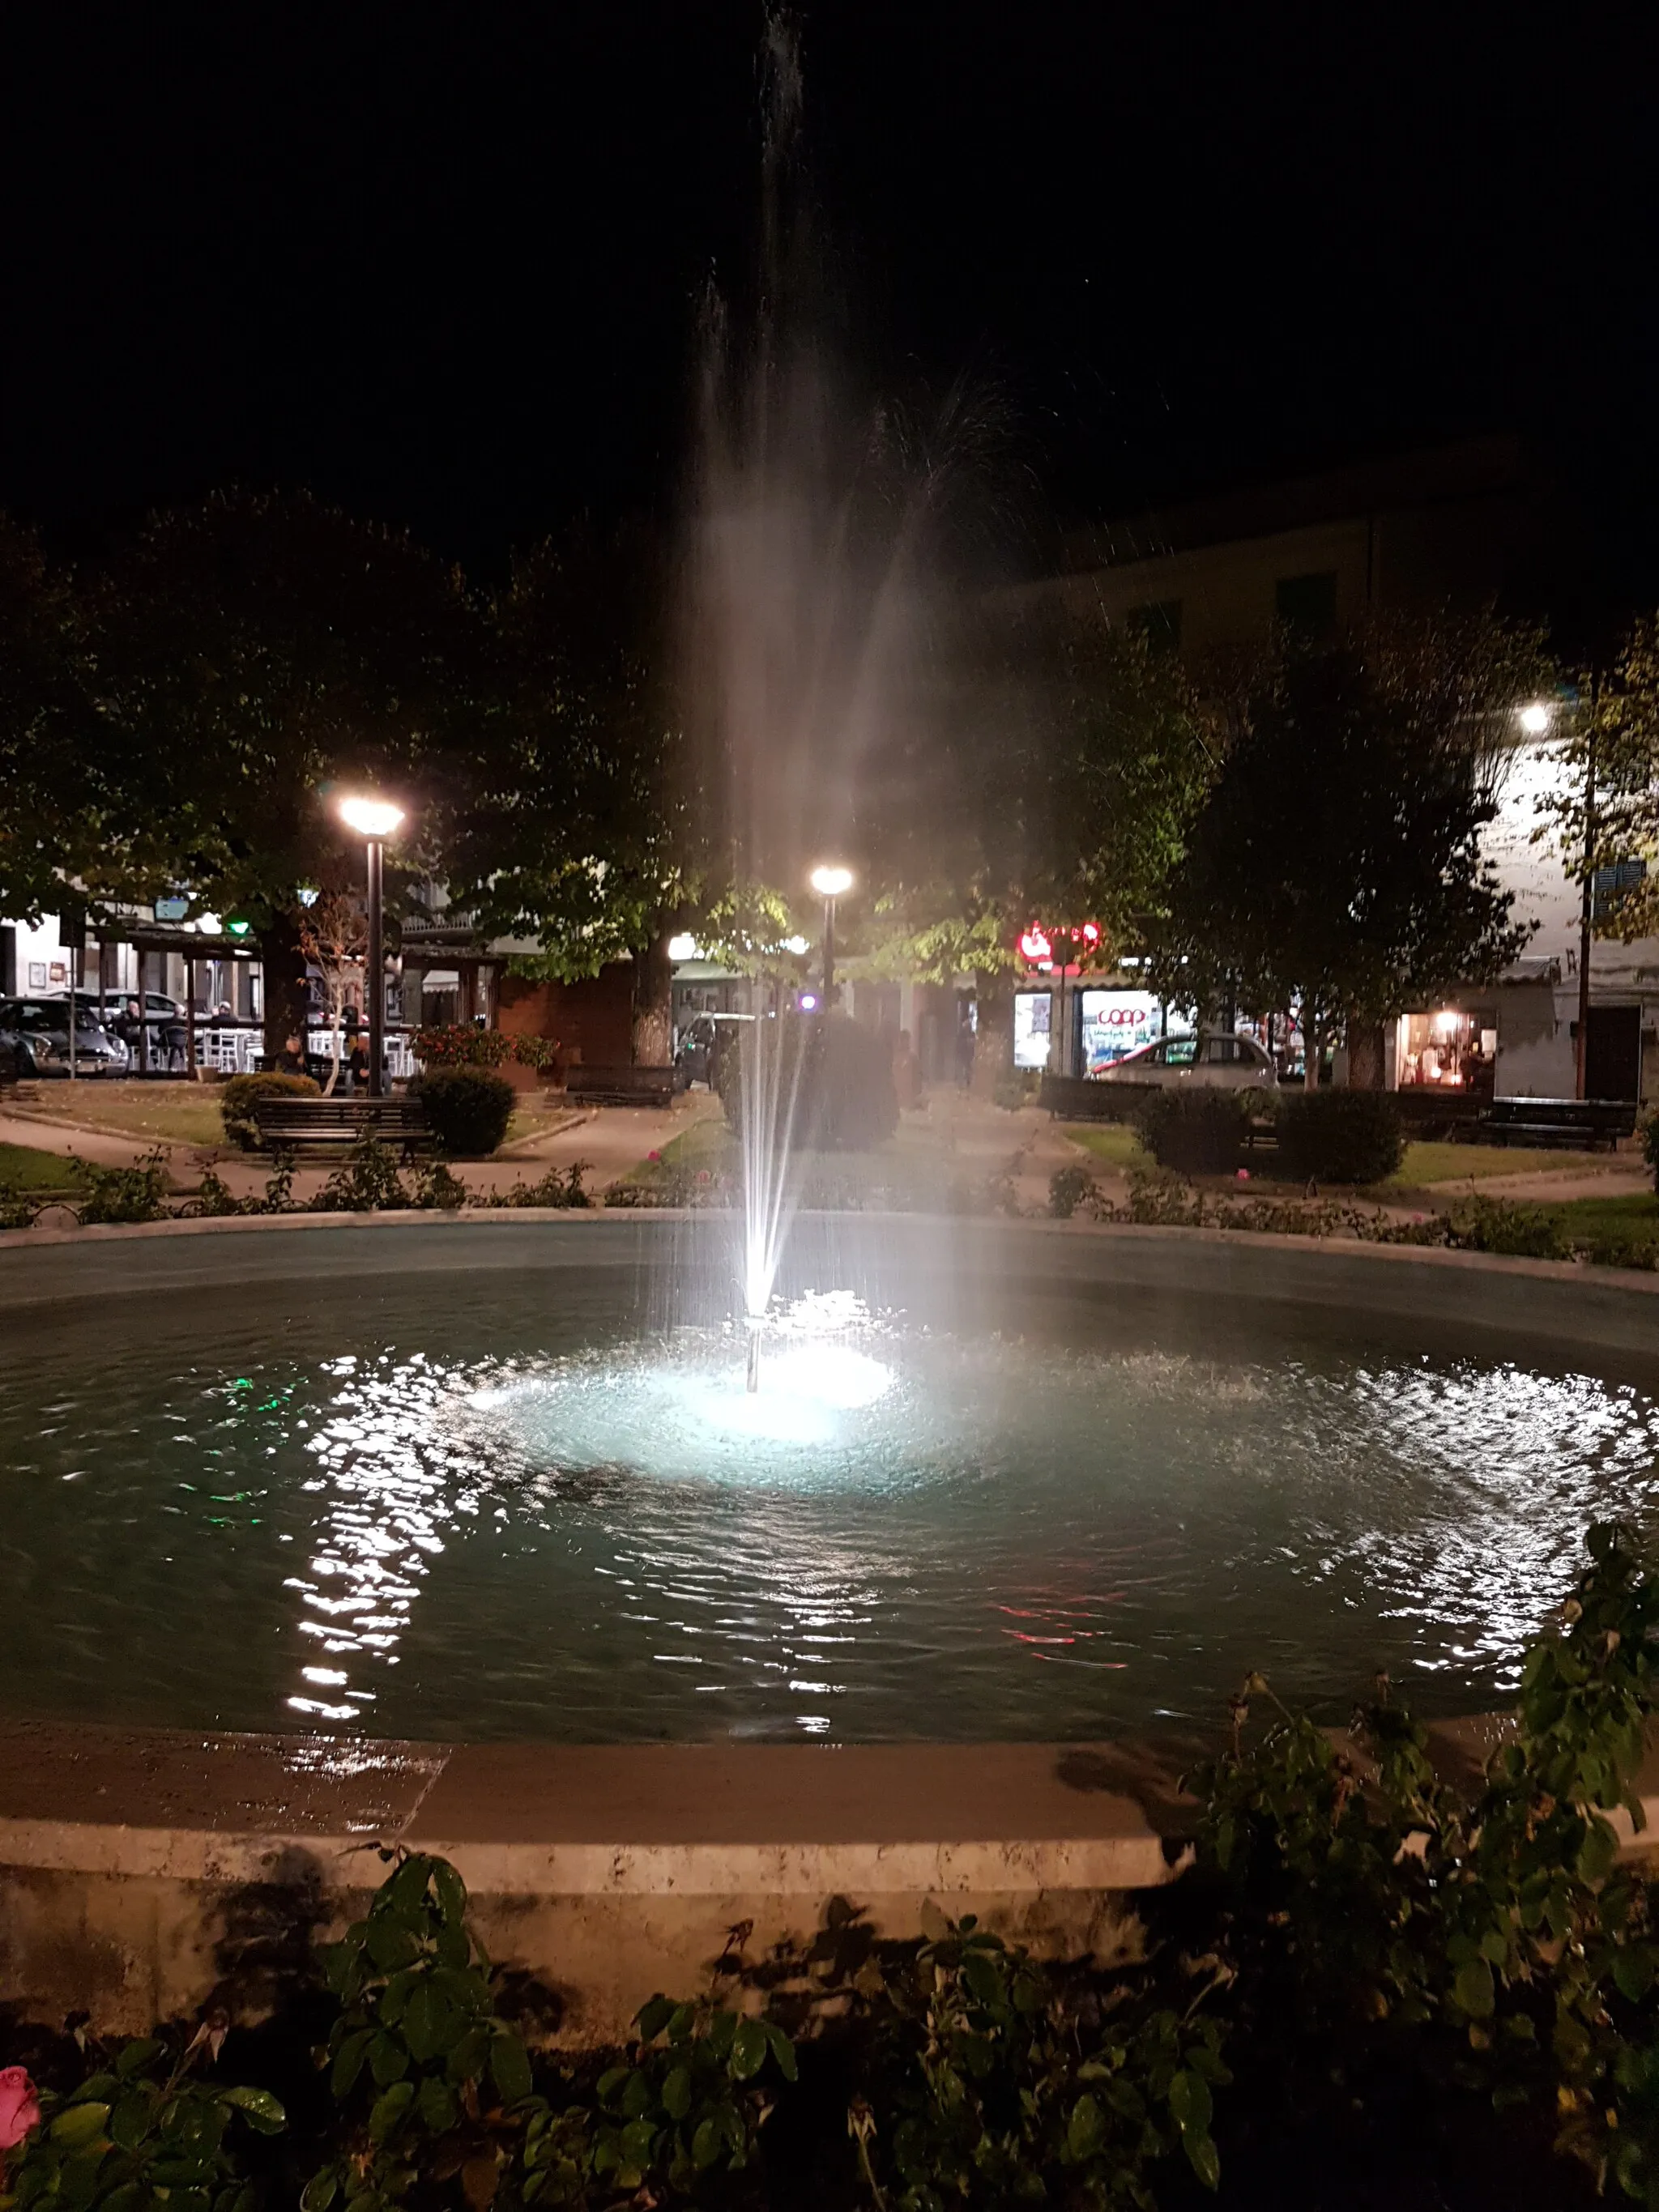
(1038, 944)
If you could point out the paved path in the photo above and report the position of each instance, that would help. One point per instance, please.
(101, 1145)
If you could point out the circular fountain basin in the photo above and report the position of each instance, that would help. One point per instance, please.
(502, 1478)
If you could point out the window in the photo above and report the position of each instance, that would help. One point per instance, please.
(1159, 623)
(1179, 1052)
(1609, 885)
(1307, 603)
(1222, 1051)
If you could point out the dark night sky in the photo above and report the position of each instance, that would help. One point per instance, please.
(441, 264)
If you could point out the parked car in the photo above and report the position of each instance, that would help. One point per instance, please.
(159, 1009)
(1227, 1063)
(695, 1058)
(35, 1036)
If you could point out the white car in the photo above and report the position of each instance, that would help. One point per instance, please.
(1228, 1063)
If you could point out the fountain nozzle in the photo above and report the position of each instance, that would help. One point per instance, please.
(753, 1378)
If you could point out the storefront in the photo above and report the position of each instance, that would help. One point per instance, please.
(1449, 1048)
(1034, 1013)
(1116, 1022)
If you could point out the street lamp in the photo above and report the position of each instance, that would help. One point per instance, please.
(829, 880)
(375, 820)
(1535, 718)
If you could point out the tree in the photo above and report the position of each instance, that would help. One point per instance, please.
(1604, 810)
(333, 933)
(1338, 861)
(1055, 780)
(578, 821)
(75, 828)
(254, 655)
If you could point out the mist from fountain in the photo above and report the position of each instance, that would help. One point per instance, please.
(808, 575)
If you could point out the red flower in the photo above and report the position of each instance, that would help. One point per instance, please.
(19, 2106)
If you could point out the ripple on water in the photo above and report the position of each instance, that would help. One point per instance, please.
(567, 1528)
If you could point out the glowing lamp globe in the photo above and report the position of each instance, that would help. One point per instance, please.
(1535, 719)
(371, 817)
(829, 882)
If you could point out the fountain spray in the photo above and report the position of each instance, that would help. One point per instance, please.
(753, 1372)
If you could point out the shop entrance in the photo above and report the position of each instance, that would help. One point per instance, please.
(1613, 1053)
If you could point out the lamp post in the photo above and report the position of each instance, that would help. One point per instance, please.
(831, 880)
(375, 820)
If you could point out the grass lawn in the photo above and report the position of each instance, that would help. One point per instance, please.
(1113, 1143)
(1637, 1210)
(26, 1168)
(1425, 1165)
(179, 1113)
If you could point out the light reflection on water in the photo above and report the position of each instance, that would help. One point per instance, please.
(588, 1535)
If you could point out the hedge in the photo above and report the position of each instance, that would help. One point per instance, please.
(1339, 1136)
(466, 1109)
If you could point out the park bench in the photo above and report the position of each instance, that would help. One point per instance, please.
(1571, 1122)
(619, 1086)
(310, 1125)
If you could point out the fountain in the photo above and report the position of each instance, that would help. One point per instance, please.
(619, 1479)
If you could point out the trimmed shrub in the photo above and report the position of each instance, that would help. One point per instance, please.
(1069, 1187)
(1339, 1136)
(838, 1076)
(1015, 1087)
(239, 1095)
(1650, 1135)
(467, 1108)
(1196, 1131)
(1520, 1232)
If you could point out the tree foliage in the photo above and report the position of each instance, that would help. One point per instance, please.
(1338, 860)
(1602, 809)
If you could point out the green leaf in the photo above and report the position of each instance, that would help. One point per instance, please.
(611, 2084)
(653, 2017)
(78, 2123)
(677, 2093)
(1085, 2130)
(706, 2145)
(1472, 1989)
(470, 2056)
(1204, 2158)
(319, 2192)
(257, 2107)
(388, 2060)
(438, 2108)
(135, 2056)
(390, 1945)
(639, 2140)
(1189, 2101)
(984, 1978)
(451, 1892)
(783, 2051)
(749, 2048)
(509, 2067)
(389, 2109)
(348, 2061)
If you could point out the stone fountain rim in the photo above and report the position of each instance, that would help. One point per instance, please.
(1635, 1282)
